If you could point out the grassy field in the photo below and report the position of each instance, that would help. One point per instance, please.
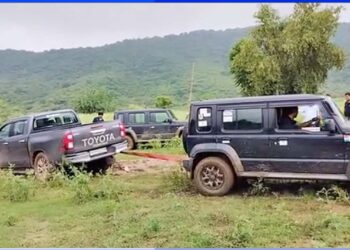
(161, 210)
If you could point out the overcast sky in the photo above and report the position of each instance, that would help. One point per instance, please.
(39, 27)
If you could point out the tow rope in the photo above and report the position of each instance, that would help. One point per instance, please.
(177, 158)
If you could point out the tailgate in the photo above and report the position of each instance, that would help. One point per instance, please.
(98, 135)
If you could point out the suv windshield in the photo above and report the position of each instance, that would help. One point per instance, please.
(172, 115)
(335, 108)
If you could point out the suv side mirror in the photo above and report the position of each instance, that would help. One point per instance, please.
(170, 120)
(330, 125)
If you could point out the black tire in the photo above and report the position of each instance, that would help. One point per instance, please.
(213, 176)
(131, 142)
(100, 166)
(43, 168)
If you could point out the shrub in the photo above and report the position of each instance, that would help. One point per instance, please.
(94, 100)
(81, 188)
(16, 188)
(258, 188)
(334, 193)
(178, 181)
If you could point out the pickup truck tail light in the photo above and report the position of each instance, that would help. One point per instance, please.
(122, 129)
(67, 141)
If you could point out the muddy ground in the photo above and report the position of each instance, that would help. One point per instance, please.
(143, 165)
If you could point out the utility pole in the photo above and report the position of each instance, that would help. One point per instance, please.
(191, 84)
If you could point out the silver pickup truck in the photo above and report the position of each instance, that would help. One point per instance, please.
(41, 141)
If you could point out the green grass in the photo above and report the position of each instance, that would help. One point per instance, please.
(149, 212)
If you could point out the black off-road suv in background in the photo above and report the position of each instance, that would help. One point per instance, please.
(290, 136)
(145, 125)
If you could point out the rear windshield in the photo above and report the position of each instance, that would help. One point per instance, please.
(54, 120)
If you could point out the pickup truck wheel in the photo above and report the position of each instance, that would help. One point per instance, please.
(130, 141)
(213, 176)
(43, 167)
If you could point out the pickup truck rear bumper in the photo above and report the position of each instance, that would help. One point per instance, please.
(87, 156)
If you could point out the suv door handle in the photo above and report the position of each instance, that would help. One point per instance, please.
(22, 141)
(5, 143)
(152, 126)
(281, 142)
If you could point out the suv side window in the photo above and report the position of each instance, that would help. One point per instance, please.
(242, 119)
(5, 131)
(204, 119)
(120, 117)
(137, 118)
(308, 117)
(159, 117)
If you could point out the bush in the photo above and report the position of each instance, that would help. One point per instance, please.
(178, 182)
(16, 188)
(81, 188)
(163, 102)
(94, 100)
(155, 144)
(334, 193)
(258, 188)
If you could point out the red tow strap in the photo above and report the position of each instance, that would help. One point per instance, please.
(177, 158)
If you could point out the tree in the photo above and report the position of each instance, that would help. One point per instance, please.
(163, 102)
(94, 100)
(290, 55)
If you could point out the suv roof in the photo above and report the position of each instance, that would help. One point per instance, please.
(140, 110)
(256, 99)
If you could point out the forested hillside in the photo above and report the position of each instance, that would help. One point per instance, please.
(135, 71)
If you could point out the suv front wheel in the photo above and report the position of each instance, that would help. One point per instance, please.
(213, 176)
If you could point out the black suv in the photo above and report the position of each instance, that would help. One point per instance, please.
(287, 136)
(145, 125)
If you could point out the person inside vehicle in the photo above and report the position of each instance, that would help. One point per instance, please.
(287, 120)
(98, 118)
(347, 105)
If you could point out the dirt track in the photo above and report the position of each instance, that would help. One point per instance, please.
(142, 165)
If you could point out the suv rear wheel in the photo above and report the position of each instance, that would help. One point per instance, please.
(213, 176)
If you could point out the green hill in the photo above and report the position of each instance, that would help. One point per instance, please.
(135, 71)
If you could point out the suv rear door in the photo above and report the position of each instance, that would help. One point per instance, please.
(159, 125)
(244, 128)
(137, 121)
(308, 150)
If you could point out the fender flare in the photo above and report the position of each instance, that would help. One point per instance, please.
(227, 150)
(179, 131)
(132, 133)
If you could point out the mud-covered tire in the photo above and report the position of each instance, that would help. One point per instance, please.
(130, 142)
(213, 176)
(100, 166)
(43, 168)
